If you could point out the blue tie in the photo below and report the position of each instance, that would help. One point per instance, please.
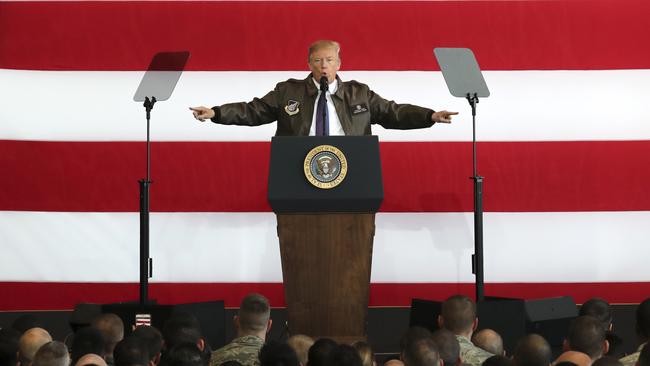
(322, 118)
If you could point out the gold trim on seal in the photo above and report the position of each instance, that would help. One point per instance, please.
(328, 150)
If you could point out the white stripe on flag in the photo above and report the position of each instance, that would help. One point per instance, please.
(243, 247)
(523, 106)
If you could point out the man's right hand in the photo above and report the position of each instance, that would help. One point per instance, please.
(202, 113)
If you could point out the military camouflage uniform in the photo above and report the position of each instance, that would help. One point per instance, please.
(631, 359)
(470, 354)
(244, 350)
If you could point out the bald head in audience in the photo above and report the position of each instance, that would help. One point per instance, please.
(52, 354)
(29, 343)
(488, 340)
(91, 359)
(532, 350)
(575, 357)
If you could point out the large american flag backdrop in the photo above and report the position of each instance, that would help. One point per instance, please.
(564, 146)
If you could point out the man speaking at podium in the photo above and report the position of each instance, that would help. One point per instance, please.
(322, 104)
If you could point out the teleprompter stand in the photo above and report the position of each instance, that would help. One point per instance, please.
(464, 80)
(157, 85)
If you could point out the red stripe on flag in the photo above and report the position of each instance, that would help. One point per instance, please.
(274, 35)
(232, 176)
(62, 296)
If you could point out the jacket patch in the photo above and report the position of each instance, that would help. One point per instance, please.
(292, 107)
(359, 108)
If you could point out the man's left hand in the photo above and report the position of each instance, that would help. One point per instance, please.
(442, 116)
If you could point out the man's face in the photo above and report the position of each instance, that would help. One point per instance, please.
(324, 62)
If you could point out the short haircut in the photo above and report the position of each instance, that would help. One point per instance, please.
(344, 355)
(276, 353)
(151, 337)
(323, 43)
(365, 352)
(643, 319)
(586, 335)
(131, 351)
(458, 313)
(112, 329)
(87, 340)
(181, 327)
(488, 340)
(421, 352)
(184, 354)
(448, 346)
(599, 309)
(644, 356)
(532, 350)
(9, 346)
(301, 344)
(254, 313)
(30, 342)
(607, 361)
(499, 360)
(320, 351)
(413, 334)
(53, 353)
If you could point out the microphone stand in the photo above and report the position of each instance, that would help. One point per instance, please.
(146, 264)
(477, 257)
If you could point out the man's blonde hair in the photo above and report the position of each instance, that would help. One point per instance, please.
(323, 43)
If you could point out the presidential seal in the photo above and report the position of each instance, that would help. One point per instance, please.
(325, 166)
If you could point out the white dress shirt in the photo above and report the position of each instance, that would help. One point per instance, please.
(335, 128)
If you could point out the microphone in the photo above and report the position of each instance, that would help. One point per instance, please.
(323, 84)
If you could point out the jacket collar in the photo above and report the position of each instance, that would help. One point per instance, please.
(312, 90)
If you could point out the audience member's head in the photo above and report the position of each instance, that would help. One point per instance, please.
(458, 315)
(112, 329)
(643, 320)
(532, 350)
(413, 334)
(448, 347)
(254, 316)
(87, 340)
(365, 352)
(276, 353)
(30, 342)
(599, 309)
(499, 360)
(393, 362)
(607, 361)
(131, 351)
(344, 355)
(644, 356)
(320, 351)
(184, 354)
(488, 340)
(182, 327)
(53, 353)
(587, 335)
(574, 357)
(152, 338)
(91, 359)
(301, 344)
(9, 346)
(421, 352)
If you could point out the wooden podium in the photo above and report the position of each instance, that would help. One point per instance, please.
(326, 235)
